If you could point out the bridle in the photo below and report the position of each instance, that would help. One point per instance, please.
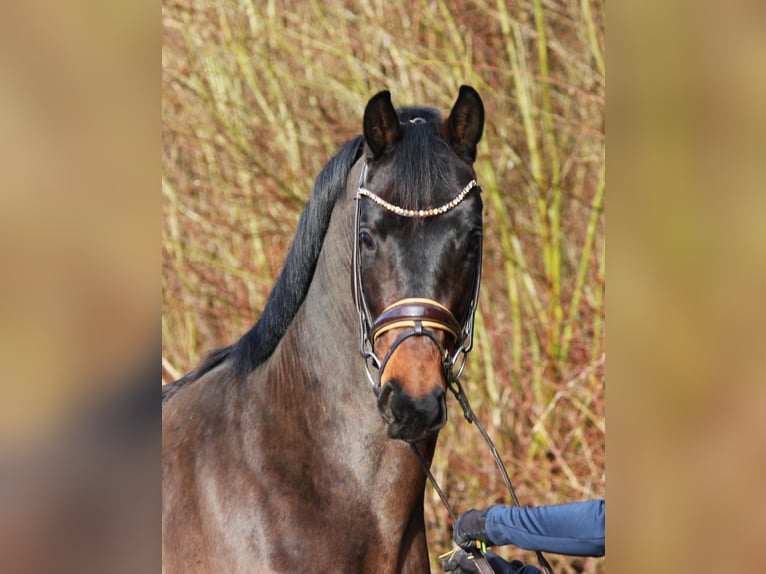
(424, 317)
(417, 316)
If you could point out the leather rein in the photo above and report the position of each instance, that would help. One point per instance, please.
(423, 317)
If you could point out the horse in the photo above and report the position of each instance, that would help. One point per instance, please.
(276, 455)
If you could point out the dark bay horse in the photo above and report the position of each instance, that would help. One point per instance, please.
(277, 457)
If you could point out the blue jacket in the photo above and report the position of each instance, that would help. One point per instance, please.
(575, 529)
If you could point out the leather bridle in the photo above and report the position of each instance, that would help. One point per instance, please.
(419, 317)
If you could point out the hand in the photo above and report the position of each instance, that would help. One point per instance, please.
(462, 563)
(470, 527)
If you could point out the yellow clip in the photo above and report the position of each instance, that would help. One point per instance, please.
(481, 545)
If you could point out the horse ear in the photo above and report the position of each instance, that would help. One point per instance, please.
(381, 124)
(465, 124)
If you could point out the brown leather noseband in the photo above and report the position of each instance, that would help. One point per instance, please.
(409, 313)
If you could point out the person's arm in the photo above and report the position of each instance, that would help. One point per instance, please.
(575, 529)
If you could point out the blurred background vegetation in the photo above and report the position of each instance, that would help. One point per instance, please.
(258, 95)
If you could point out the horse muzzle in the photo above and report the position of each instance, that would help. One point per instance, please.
(415, 335)
(409, 418)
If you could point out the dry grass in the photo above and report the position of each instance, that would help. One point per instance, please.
(257, 96)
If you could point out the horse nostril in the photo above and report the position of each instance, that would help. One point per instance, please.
(435, 407)
(390, 389)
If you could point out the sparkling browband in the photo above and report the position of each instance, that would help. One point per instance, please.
(418, 212)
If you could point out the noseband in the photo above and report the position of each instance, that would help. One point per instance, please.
(414, 313)
(419, 317)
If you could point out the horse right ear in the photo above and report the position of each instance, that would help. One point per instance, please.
(381, 124)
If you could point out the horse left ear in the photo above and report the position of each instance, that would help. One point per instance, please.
(465, 124)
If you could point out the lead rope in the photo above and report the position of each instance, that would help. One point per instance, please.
(481, 562)
(470, 416)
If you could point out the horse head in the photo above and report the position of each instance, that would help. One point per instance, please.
(417, 258)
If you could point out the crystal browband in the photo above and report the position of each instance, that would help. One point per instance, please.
(418, 212)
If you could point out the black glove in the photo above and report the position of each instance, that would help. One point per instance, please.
(462, 563)
(469, 527)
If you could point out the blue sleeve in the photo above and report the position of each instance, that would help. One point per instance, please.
(575, 529)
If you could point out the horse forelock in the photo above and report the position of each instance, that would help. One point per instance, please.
(423, 164)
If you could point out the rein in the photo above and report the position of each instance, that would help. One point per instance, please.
(457, 389)
(420, 317)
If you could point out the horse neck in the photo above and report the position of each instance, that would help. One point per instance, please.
(321, 354)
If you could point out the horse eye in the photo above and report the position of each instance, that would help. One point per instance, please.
(366, 240)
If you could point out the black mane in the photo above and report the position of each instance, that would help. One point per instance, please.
(293, 283)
